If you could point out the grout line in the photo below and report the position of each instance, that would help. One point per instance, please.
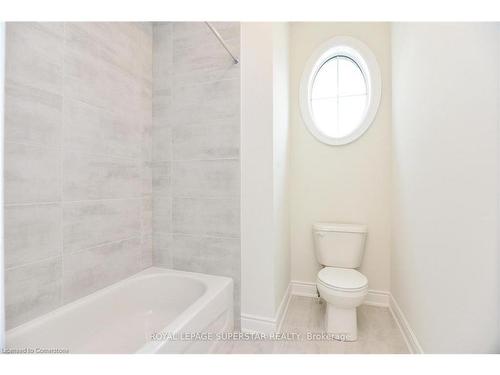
(107, 156)
(34, 262)
(63, 254)
(195, 235)
(34, 144)
(227, 197)
(62, 202)
(194, 159)
(171, 143)
(223, 197)
(63, 113)
(15, 83)
(137, 236)
(194, 84)
(85, 153)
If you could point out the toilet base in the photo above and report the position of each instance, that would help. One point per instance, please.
(342, 323)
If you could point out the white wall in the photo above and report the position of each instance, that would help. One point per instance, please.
(445, 145)
(281, 160)
(256, 170)
(264, 164)
(348, 183)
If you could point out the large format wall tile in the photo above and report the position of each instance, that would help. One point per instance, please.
(206, 178)
(195, 33)
(162, 141)
(147, 178)
(212, 255)
(161, 179)
(207, 103)
(162, 55)
(32, 173)
(78, 153)
(32, 290)
(147, 215)
(206, 141)
(123, 45)
(147, 250)
(99, 177)
(34, 55)
(162, 107)
(32, 233)
(162, 254)
(196, 127)
(100, 83)
(147, 142)
(193, 64)
(162, 214)
(89, 270)
(93, 223)
(94, 130)
(32, 116)
(214, 217)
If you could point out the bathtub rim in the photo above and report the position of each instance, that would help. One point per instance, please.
(217, 285)
(214, 285)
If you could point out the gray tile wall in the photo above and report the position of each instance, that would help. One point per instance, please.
(78, 152)
(196, 143)
(99, 156)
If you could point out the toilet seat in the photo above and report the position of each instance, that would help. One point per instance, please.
(342, 279)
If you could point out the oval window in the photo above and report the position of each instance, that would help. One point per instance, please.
(340, 91)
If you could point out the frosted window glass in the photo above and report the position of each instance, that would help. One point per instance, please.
(325, 83)
(325, 115)
(351, 80)
(350, 113)
(338, 97)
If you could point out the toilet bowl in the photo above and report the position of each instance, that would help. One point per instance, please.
(339, 249)
(343, 290)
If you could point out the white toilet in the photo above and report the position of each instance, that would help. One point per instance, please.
(340, 248)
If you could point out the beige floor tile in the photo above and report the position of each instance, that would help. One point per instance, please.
(378, 333)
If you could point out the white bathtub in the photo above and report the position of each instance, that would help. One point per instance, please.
(123, 317)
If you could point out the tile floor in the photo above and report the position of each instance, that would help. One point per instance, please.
(378, 333)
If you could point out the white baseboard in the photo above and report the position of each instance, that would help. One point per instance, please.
(377, 298)
(308, 289)
(283, 308)
(408, 334)
(303, 288)
(255, 323)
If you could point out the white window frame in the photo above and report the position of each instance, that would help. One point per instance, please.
(361, 55)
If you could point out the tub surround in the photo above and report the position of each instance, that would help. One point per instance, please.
(2, 117)
(77, 161)
(196, 150)
(106, 145)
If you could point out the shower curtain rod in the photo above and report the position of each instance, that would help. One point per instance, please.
(218, 36)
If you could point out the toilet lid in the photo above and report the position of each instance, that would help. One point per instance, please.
(342, 278)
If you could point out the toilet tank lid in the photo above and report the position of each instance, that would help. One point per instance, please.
(338, 227)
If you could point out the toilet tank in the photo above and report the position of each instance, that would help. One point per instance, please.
(339, 245)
